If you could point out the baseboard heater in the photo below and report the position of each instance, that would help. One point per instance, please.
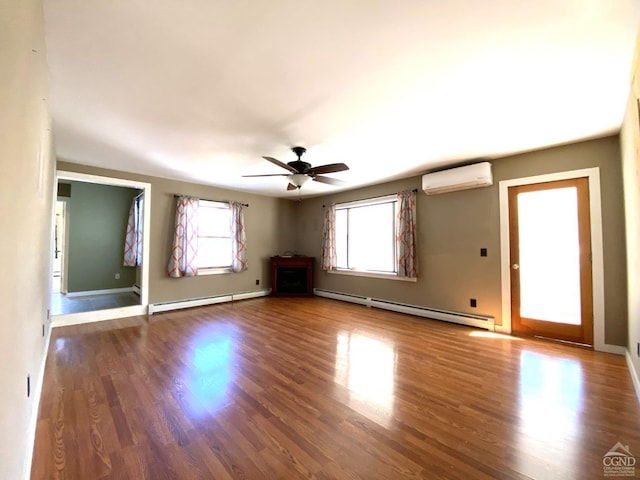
(202, 301)
(479, 321)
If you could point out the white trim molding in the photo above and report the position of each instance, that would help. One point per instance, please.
(97, 315)
(107, 291)
(362, 273)
(597, 261)
(146, 222)
(35, 407)
(634, 374)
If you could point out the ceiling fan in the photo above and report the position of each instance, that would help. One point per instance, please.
(300, 172)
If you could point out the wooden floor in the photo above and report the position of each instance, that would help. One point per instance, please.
(314, 388)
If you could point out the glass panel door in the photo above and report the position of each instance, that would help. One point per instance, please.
(551, 287)
(548, 235)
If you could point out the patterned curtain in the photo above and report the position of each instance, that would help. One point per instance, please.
(239, 261)
(182, 262)
(139, 228)
(407, 235)
(328, 258)
(133, 238)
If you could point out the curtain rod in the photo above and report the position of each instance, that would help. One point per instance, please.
(175, 195)
(415, 190)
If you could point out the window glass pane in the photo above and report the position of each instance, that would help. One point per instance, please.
(549, 255)
(214, 252)
(213, 222)
(365, 236)
(341, 238)
(372, 237)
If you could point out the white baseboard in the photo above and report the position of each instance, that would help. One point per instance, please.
(35, 408)
(253, 294)
(108, 291)
(502, 329)
(201, 302)
(634, 373)
(97, 315)
(479, 321)
(607, 348)
(598, 347)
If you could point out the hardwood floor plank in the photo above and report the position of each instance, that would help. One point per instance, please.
(314, 388)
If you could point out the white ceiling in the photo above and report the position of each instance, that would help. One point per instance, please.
(200, 89)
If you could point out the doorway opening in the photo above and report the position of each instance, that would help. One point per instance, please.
(92, 279)
(58, 285)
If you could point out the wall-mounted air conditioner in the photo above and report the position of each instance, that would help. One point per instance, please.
(460, 178)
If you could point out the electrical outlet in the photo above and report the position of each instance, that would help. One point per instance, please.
(48, 314)
(43, 329)
(28, 386)
(257, 282)
(117, 276)
(473, 302)
(483, 252)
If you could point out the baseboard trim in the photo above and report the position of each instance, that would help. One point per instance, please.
(204, 301)
(607, 348)
(598, 347)
(86, 293)
(470, 320)
(97, 316)
(634, 374)
(254, 294)
(35, 409)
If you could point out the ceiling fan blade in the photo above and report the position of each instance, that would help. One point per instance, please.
(291, 186)
(329, 180)
(280, 164)
(331, 168)
(269, 175)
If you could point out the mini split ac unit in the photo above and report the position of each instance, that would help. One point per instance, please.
(460, 178)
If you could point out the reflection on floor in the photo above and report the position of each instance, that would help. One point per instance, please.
(62, 304)
(314, 388)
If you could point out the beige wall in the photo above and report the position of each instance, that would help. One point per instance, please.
(269, 232)
(454, 226)
(26, 211)
(630, 142)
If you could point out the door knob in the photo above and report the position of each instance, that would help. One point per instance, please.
(515, 266)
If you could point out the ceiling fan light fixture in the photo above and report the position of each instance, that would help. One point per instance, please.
(301, 172)
(298, 179)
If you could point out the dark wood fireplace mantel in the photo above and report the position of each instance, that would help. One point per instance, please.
(292, 276)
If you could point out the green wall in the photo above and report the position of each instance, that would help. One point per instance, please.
(97, 219)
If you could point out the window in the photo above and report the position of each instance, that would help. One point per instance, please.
(366, 235)
(208, 237)
(214, 235)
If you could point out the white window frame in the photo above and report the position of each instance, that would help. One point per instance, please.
(373, 273)
(217, 269)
